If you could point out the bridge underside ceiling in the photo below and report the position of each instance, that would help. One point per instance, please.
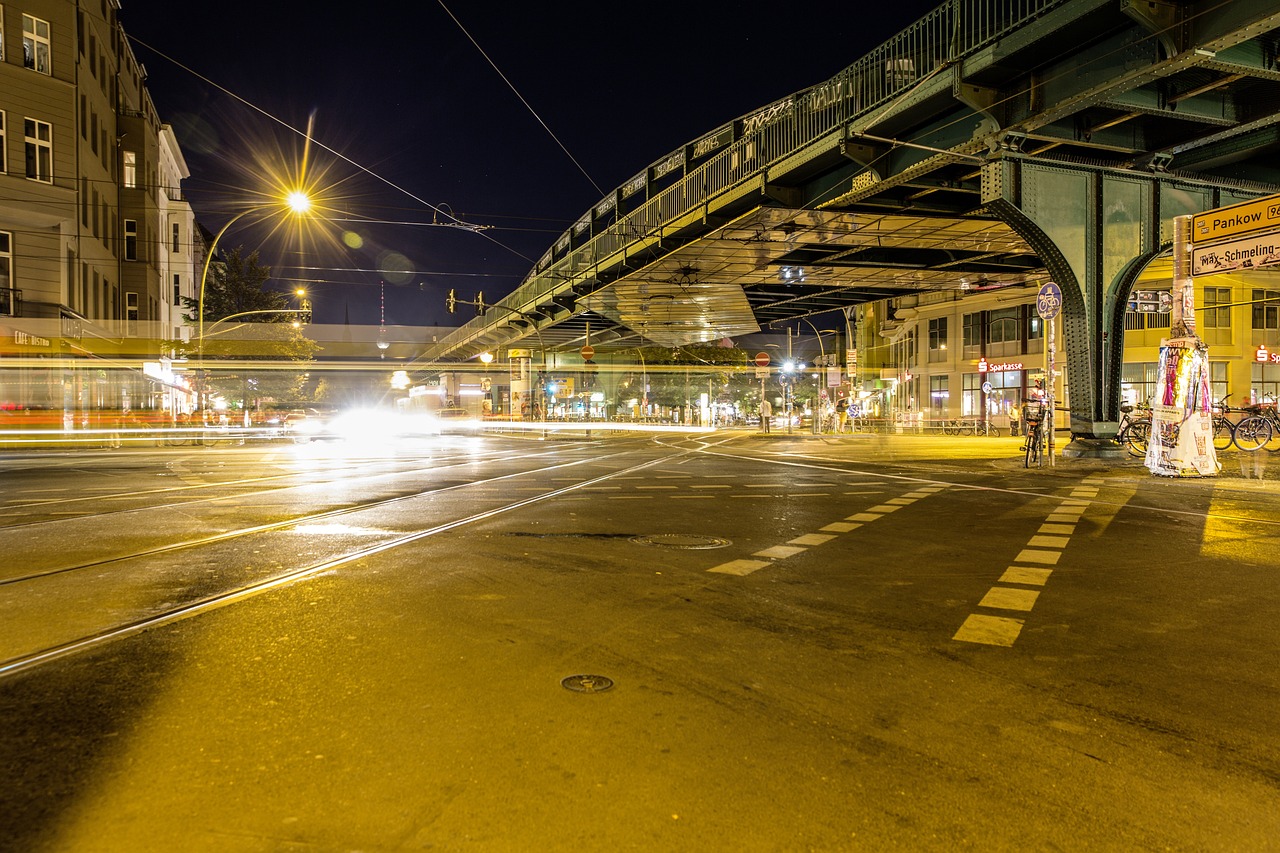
(773, 264)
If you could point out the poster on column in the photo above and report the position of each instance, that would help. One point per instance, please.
(1181, 443)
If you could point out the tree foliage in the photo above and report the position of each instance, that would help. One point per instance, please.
(235, 285)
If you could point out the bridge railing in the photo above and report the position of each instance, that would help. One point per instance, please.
(950, 32)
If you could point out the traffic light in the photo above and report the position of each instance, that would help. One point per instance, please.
(304, 316)
(480, 306)
(451, 301)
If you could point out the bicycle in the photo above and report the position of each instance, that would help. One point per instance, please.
(1135, 431)
(1250, 433)
(1033, 446)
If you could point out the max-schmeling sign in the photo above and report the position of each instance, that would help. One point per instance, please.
(1240, 237)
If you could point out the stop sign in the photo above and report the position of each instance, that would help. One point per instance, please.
(587, 352)
(762, 359)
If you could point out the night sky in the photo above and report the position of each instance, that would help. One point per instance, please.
(423, 119)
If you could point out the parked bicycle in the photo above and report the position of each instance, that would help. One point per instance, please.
(1135, 430)
(1033, 447)
(1249, 433)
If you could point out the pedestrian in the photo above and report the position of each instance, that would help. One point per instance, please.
(766, 413)
(1013, 419)
(842, 413)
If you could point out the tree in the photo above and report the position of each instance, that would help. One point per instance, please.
(235, 286)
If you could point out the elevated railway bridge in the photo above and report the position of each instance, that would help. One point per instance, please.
(993, 143)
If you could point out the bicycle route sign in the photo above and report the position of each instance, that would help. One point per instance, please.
(1049, 300)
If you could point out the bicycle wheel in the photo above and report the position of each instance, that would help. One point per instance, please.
(1252, 433)
(1032, 448)
(1224, 433)
(1136, 436)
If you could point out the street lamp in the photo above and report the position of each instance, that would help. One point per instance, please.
(298, 203)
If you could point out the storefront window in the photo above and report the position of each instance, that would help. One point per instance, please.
(938, 396)
(1264, 385)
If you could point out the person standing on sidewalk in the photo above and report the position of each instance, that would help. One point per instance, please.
(842, 414)
(766, 412)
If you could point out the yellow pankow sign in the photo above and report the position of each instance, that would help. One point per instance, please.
(1240, 218)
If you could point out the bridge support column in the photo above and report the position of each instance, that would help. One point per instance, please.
(1095, 230)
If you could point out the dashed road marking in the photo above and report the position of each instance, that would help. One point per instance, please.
(803, 542)
(989, 630)
(811, 539)
(1009, 598)
(1044, 548)
(741, 567)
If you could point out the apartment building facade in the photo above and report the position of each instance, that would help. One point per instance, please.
(95, 235)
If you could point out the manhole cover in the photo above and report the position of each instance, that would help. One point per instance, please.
(586, 683)
(681, 540)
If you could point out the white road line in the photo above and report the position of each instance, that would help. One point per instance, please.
(1060, 529)
(864, 516)
(1048, 541)
(884, 508)
(840, 527)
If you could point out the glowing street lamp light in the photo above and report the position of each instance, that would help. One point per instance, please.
(298, 203)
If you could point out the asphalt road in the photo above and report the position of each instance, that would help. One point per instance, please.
(861, 643)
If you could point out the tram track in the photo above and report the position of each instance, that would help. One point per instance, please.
(343, 472)
(83, 638)
(284, 524)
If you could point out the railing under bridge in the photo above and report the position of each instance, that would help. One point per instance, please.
(745, 147)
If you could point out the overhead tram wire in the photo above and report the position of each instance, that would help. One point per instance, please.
(306, 135)
(528, 106)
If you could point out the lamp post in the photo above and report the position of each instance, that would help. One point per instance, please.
(297, 202)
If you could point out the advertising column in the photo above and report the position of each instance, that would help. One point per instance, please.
(1181, 442)
(521, 398)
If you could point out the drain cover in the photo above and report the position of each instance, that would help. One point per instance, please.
(689, 541)
(586, 683)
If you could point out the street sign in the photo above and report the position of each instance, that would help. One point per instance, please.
(1151, 301)
(1244, 253)
(1242, 218)
(762, 359)
(1049, 300)
(762, 373)
(587, 352)
(986, 387)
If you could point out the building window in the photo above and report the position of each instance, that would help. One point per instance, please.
(177, 290)
(938, 334)
(1035, 326)
(131, 313)
(8, 302)
(39, 150)
(1139, 381)
(1217, 380)
(1002, 325)
(4, 159)
(1, 34)
(177, 238)
(1264, 385)
(35, 44)
(131, 239)
(1266, 305)
(972, 331)
(1216, 313)
(938, 395)
(131, 170)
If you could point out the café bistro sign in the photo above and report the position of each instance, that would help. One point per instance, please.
(998, 367)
